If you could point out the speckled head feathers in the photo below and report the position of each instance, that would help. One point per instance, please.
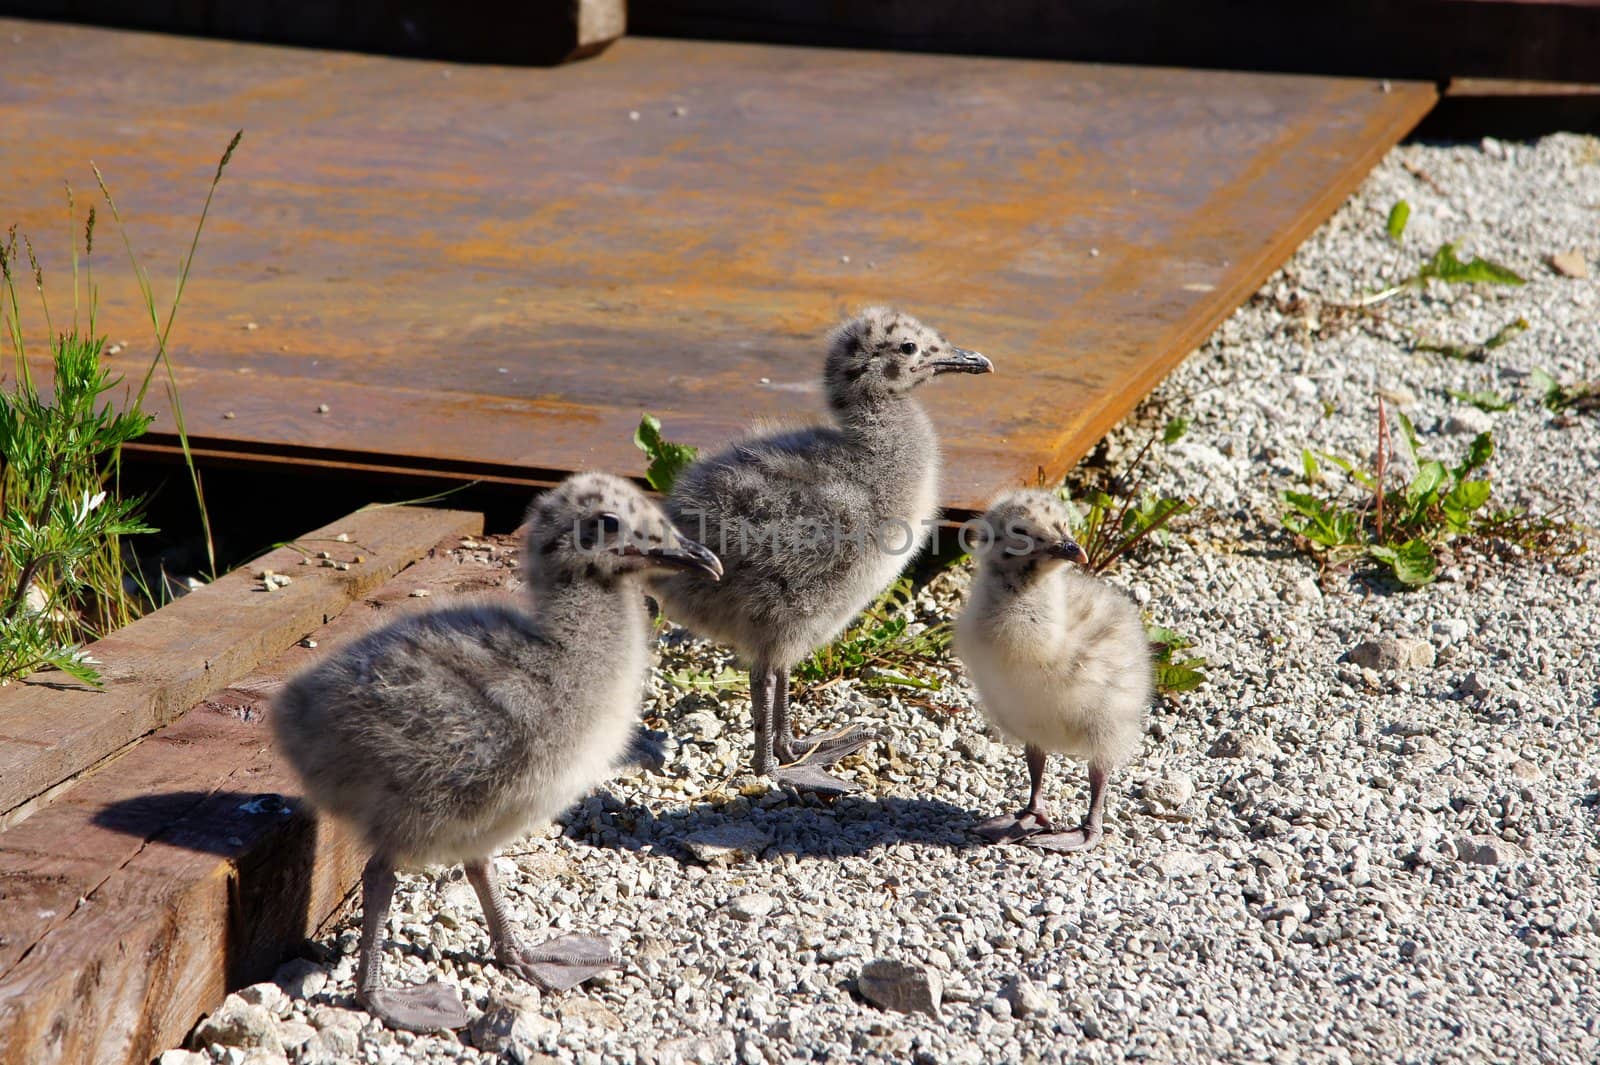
(1026, 528)
(880, 354)
(601, 527)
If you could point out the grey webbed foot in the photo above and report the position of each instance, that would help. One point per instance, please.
(1078, 839)
(561, 963)
(429, 1007)
(825, 748)
(805, 776)
(1013, 828)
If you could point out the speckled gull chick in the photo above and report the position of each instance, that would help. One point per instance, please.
(448, 733)
(1060, 660)
(814, 523)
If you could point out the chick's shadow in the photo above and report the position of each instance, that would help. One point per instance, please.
(849, 827)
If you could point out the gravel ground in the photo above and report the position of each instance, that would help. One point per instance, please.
(1311, 860)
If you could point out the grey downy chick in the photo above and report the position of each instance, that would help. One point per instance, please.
(1060, 659)
(814, 523)
(448, 733)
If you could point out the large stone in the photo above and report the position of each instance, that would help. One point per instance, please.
(592, 1012)
(182, 1057)
(1488, 850)
(268, 996)
(751, 907)
(1236, 744)
(1392, 652)
(1176, 864)
(511, 1027)
(1570, 264)
(728, 843)
(238, 1023)
(301, 978)
(1027, 998)
(685, 1050)
(1468, 421)
(897, 985)
(1169, 792)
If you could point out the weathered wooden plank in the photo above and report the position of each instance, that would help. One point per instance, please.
(157, 667)
(510, 268)
(129, 905)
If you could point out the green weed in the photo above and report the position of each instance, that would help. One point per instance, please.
(1401, 526)
(1487, 401)
(883, 648)
(1176, 671)
(1399, 215)
(1445, 265)
(667, 460)
(1561, 398)
(61, 509)
(1110, 528)
(1475, 352)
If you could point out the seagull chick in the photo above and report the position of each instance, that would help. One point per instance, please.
(1060, 659)
(448, 733)
(814, 523)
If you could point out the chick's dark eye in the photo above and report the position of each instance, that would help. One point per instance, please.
(610, 524)
(908, 348)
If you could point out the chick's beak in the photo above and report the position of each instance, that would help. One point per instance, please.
(960, 360)
(687, 554)
(1069, 550)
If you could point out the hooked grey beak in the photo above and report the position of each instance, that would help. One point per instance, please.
(1069, 550)
(961, 360)
(688, 555)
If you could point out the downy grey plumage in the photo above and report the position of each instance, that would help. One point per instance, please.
(1060, 659)
(813, 523)
(448, 733)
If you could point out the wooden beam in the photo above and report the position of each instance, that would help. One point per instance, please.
(129, 906)
(156, 668)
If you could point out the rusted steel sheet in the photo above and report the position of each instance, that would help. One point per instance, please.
(492, 271)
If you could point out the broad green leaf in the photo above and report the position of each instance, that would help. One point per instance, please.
(1422, 488)
(1445, 265)
(1174, 677)
(1467, 496)
(1308, 462)
(667, 460)
(1399, 215)
(1412, 562)
(1175, 430)
(1408, 437)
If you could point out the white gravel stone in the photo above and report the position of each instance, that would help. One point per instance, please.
(752, 907)
(182, 1057)
(237, 1023)
(301, 978)
(1469, 421)
(1487, 850)
(728, 843)
(511, 1027)
(900, 986)
(1392, 652)
(1025, 998)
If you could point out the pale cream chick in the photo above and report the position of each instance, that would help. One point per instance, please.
(1060, 659)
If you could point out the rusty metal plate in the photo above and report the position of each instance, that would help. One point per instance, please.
(485, 271)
